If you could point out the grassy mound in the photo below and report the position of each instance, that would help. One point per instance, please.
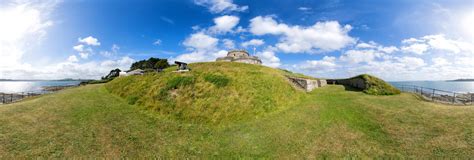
(377, 86)
(211, 92)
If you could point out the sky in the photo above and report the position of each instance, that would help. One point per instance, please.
(395, 40)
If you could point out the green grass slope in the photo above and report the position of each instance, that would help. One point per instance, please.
(212, 92)
(91, 123)
(372, 85)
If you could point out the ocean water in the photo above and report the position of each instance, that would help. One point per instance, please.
(31, 86)
(463, 87)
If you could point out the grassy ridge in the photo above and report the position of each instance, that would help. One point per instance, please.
(89, 122)
(370, 85)
(212, 92)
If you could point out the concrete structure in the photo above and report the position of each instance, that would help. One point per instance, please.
(308, 84)
(182, 67)
(136, 72)
(240, 56)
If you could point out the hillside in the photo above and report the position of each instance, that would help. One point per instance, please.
(89, 122)
(212, 92)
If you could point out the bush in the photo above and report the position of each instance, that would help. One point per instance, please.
(217, 80)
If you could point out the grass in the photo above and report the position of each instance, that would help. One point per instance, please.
(112, 121)
(219, 92)
(89, 122)
(374, 85)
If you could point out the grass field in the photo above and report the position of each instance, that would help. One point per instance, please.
(89, 121)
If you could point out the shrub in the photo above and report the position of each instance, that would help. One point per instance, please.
(217, 80)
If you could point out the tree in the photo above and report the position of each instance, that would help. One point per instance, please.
(161, 64)
(113, 73)
(151, 63)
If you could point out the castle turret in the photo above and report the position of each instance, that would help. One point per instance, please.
(240, 56)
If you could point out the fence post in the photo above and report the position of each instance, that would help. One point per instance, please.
(421, 91)
(11, 98)
(432, 95)
(3, 98)
(472, 98)
(454, 97)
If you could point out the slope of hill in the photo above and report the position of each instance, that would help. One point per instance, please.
(89, 122)
(212, 92)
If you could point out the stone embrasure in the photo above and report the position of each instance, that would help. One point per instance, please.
(308, 84)
(240, 56)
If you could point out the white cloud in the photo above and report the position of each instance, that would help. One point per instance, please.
(321, 37)
(253, 42)
(371, 44)
(203, 48)
(72, 58)
(224, 24)
(389, 49)
(304, 8)
(438, 61)
(79, 48)
(201, 41)
(358, 56)
(157, 42)
(328, 63)
(221, 6)
(412, 62)
(23, 26)
(269, 58)
(417, 48)
(89, 41)
(228, 43)
(437, 42)
(84, 55)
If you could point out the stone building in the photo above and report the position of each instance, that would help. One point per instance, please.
(240, 56)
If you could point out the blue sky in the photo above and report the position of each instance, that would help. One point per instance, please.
(396, 40)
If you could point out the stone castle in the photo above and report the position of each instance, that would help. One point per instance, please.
(240, 56)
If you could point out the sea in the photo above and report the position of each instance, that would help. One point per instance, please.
(35, 86)
(453, 86)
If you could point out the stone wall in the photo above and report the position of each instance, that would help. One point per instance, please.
(308, 84)
(356, 82)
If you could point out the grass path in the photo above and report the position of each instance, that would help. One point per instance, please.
(330, 122)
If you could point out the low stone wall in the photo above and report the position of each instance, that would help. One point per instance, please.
(308, 84)
(356, 82)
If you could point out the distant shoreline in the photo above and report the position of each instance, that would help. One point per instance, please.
(461, 80)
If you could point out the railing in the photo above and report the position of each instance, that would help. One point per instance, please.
(6, 98)
(441, 96)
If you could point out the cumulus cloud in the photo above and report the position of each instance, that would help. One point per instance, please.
(269, 57)
(417, 48)
(437, 42)
(253, 42)
(453, 59)
(89, 41)
(203, 47)
(157, 42)
(358, 56)
(328, 63)
(79, 48)
(228, 43)
(221, 6)
(200, 41)
(72, 58)
(321, 37)
(224, 24)
(23, 25)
